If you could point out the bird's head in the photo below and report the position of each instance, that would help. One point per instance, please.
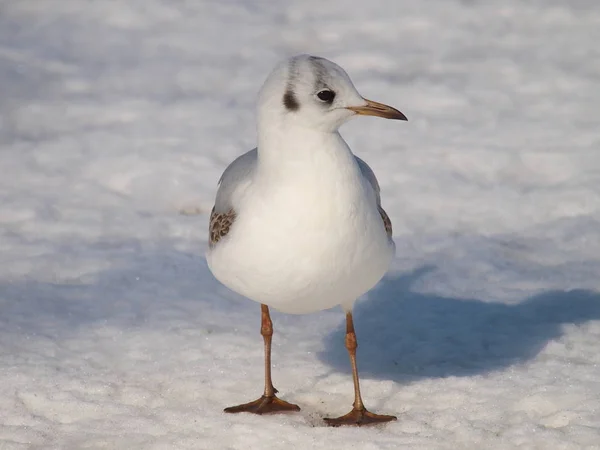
(316, 93)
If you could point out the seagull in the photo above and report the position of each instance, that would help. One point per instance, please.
(297, 223)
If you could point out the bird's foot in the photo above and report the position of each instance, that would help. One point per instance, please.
(359, 417)
(264, 405)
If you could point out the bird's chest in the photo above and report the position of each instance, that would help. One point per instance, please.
(310, 225)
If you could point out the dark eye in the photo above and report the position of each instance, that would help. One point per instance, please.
(326, 95)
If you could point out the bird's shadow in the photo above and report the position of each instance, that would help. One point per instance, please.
(406, 336)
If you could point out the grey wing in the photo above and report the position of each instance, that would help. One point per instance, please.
(370, 176)
(235, 179)
(372, 179)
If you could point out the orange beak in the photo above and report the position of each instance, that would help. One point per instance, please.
(377, 109)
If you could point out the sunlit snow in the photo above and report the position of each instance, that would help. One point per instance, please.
(116, 121)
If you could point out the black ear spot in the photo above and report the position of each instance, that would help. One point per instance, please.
(290, 101)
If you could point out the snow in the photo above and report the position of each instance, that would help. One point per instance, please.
(117, 118)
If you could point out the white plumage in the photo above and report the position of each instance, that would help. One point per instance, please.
(307, 234)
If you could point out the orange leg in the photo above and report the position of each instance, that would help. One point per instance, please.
(359, 414)
(269, 402)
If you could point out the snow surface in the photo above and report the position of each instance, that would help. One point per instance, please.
(117, 118)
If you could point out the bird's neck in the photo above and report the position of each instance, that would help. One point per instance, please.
(297, 148)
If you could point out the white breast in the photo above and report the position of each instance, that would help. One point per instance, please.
(305, 238)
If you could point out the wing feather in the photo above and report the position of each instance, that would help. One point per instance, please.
(234, 181)
(372, 179)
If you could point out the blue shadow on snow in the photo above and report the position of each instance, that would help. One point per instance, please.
(404, 336)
